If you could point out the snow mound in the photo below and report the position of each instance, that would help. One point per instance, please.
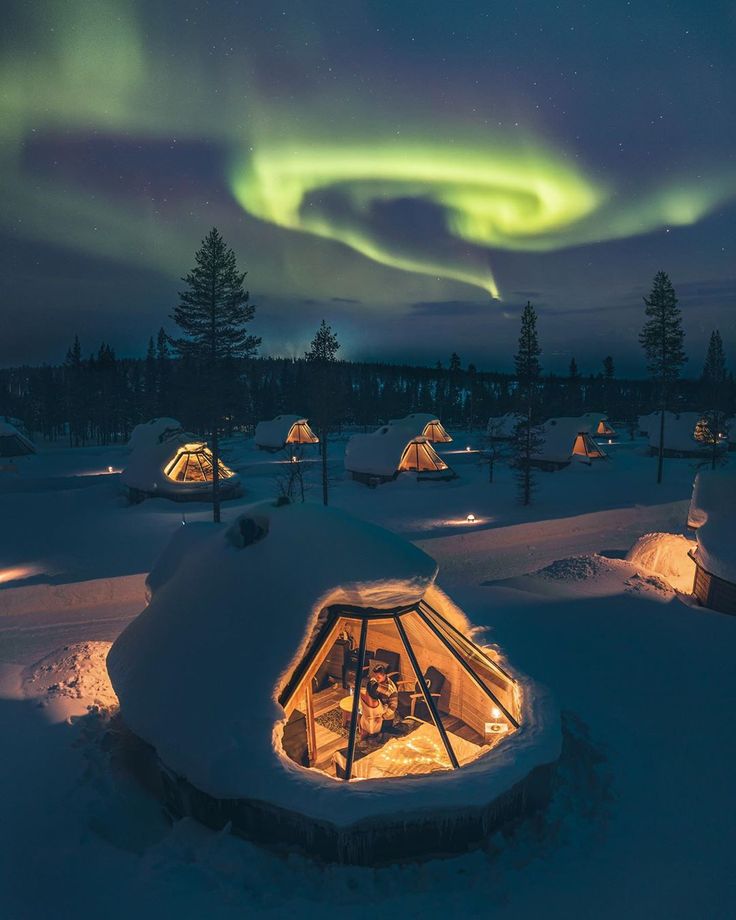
(666, 555)
(576, 568)
(74, 672)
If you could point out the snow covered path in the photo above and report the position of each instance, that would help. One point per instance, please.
(483, 555)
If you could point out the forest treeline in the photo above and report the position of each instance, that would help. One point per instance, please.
(98, 399)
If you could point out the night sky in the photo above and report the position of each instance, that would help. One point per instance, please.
(411, 171)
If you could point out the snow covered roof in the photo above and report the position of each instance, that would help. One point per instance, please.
(559, 436)
(502, 426)
(421, 424)
(14, 443)
(714, 491)
(379, 453)
(146, 468)
(274, 433)
(152, 432)
(198, 673)
(679, 431)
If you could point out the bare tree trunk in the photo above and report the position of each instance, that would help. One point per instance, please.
(660, 459)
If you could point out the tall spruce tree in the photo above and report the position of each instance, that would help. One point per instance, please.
(322, 356)
(213, 313)
(662, 339)
(714, 385)
(527, 438)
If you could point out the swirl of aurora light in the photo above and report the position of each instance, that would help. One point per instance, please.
(483, 199)
(391, 177)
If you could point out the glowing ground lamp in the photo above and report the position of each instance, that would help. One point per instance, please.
(471, 519)
(287, 757)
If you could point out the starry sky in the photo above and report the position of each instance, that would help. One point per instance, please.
(411, 170)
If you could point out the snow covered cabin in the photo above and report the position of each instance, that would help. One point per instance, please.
(257, 693)
(502, 427)
(565, 440)
(14, 443)
(682, 435)
(282, 430)
(178, 467)
(423, 424)
(153, 432)
(380, 457)
(715, 562)
(599, 425)
(714, 491)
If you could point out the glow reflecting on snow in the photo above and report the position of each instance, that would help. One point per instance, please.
(19, 573)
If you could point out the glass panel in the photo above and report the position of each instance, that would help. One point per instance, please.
(392, 741)
(194, 470)
(466, 711)
(487, 672)
(326, 697)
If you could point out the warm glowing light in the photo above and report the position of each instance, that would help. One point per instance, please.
(467, 448)
(470, 519)
(496, 712)
(110, 469)
(19, 572)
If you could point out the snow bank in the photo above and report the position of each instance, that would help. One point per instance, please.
(666, 555)
(199, 672)
(75, 672)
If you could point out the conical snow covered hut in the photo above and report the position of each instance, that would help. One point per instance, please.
(346, 709)
(424, 425)
(599, 425)
(14, 443)
(153, 432)
(382, 455)
(178, 467)
(565, 440)
(282, 430)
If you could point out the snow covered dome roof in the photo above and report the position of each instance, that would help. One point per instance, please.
(153, 432)
(161, 467)
(14, 443)
(422, 424)
(233, 610)
(276, 432)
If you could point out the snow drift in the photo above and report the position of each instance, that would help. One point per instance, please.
(668, 556)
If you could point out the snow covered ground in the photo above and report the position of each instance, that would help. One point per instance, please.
(642, 821)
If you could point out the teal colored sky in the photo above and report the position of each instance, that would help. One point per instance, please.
(413, 172)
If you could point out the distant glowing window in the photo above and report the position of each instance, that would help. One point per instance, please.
(301, 433)
(193, 463)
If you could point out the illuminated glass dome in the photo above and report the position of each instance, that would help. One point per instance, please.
(298, 675)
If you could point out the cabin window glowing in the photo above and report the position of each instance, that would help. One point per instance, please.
(301, 433)
(391, 693)
(435, 431)
(193, 463)
(420, 456)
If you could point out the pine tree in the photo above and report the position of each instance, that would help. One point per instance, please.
(163, 374)
(526, 433)
(714, 382)
(662, 339)
(213, 313)
(322, 356)
(75, 401)
(150, 376)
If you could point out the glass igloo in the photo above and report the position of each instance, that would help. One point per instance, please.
(383, 693)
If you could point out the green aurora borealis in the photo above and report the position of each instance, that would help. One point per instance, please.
(409, 181)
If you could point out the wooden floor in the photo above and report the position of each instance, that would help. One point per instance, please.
(328, 741)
